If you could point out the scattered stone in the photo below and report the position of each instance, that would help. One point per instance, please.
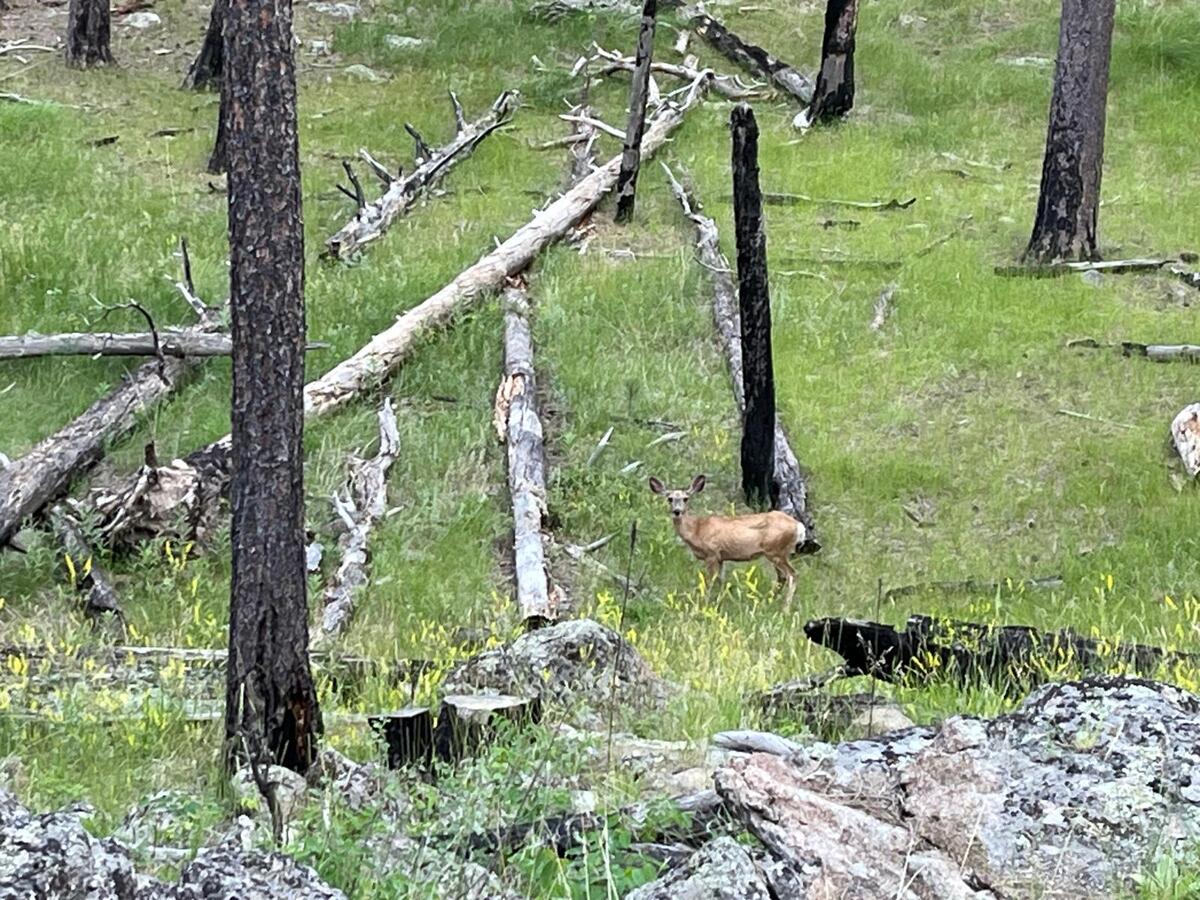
(571, 662)
(288, 785)
(881, 719)
(1092, 277)
(1037, 62)
(360, 785)
(360, 72)
(403, 42)
(225, 874)
(344, 11)
(721, 870)
(158, 821)
(143, 20)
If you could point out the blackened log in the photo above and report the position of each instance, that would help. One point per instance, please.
(754, 308)
(1013, 658)
(833, 95)
(1069, 200)
(632, 155)
(789, 484)
(371, 221)
(1155, 352)
(409, 736)
(88, 26)
(467, 722)
(271, 711)
(81, 566)
(205, 70)
(754, 58)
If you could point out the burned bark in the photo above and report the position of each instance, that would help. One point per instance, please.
(365, 503)
(754, 58)
(218, 159)
(833, 96)
(87, 43)
(1064, 227)
(82, 569)
(789, 485)
(466, 722)
(632, 155)
(205, 70)
(754, 309)
(373, 219)
(409, 736)
(271, 714)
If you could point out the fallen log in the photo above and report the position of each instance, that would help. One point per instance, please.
(789, 480)
(1155, 352)
(517, 412)
(1109, 267)
(1191, 279)
(1185, 434)
(83, 571)
(754, 58)
(776, 198)
(168, 342)
(373, 219)
(726, 86)
(364, 504)
(204, 475)
(1009, 657)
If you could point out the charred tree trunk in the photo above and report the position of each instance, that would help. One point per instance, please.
(205, 71)
(271, 713)
(88, 34)
(218, 160)
(1069, 200)
(632, 156)
(833, 96)
(754, 304)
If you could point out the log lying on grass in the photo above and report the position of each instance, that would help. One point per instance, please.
(726, 86)
(520, 427)
(168, 342)
(754, 58)
(1010, 657)
(789, 480)
(373, 219)
(385, 352)
(364, 504)
(1155, 352)
(1185, 434)
(1108, 267)
(81, 567)
(775, 198)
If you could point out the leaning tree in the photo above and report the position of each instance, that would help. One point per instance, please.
(88, 34)
(833, 95)
(1069, 200)
(271, 712)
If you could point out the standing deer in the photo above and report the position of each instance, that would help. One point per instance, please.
(716, 540)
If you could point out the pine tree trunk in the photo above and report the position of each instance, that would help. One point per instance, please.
(205, 71)
(271, 707)
(754, 304)
(833, 96)
(217, 162)
(1065, 227)
(88, 34)
(632, 156)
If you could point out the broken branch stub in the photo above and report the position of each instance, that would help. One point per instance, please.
(373, 219)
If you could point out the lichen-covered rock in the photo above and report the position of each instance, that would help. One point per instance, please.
(359, 785)
(227, 874)
(569, 662)
(720, 870)
(1070, 795)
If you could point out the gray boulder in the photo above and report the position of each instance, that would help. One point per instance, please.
(720, 870)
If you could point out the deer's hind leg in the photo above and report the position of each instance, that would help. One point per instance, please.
(784, 573)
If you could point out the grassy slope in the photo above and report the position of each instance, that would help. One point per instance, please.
(954, 402)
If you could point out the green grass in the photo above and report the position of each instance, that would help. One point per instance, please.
(955, 402)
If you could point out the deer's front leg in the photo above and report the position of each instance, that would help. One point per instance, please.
(713, 567)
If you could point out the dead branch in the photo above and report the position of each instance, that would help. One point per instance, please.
(1155, 352)
(727, 86)
(177, 342)
(789, 480)
(373, 219)
(784, 199)
(1107, 267)
(883, 306)
(360, 199)
(754, 58)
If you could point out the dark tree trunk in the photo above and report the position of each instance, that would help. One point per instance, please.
(205, 71)
(218, 161)
(87, 34)
(271, 706)
(754, 305)
(833, 96)
(1065, 227)
(632, 156)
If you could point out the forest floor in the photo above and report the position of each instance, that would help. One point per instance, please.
(937, 447)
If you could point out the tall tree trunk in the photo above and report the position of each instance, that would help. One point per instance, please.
(271, 706)
(87, 34)
(833, 96)
(205, 71)
(218, 160)
(754, 305)
(632, 155)
(1065, 227)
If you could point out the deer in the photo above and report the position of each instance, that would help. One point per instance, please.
(716, 540)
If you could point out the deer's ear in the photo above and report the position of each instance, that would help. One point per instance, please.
(656, 485)
(697, 484)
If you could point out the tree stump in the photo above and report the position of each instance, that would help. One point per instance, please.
(87, 43)
(409, 736)
(466, 722)
(833, 96)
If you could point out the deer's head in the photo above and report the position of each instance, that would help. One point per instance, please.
(677, 500)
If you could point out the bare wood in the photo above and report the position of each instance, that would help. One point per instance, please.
(726, 86)
(171, 342)
(517, 397)
(754, 58)
(1108, 267)
(1155, 352)
(375, 218)
(204, 474)
(1185, 434)
(631, 158)
(583, 146)
(364, 504)
(792, 489)
(883, 306)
